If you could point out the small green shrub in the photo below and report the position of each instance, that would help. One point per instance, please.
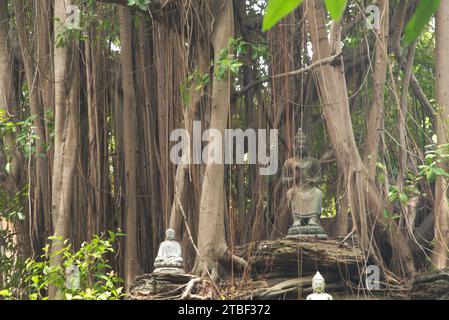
(84, 274)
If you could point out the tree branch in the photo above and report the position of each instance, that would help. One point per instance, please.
(286, 74)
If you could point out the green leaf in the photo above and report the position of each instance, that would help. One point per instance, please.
(142, 4)
(392, 196)
(438, 171)
(403, 198)
(429, 175)
(336, 8)
(276, 10)
(20, 216)
(5, 292)
(419, 20)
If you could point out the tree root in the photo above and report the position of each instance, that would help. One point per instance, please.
(187, 292)
(240, 261)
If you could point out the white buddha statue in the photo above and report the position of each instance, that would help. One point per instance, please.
(318, 286)
(72, 278)
(169, 257)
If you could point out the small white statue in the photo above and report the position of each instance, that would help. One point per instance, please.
(169, 257)
(318, 286)
(72, 278)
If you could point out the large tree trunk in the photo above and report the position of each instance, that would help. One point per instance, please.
(67, 86)
(440, 256)
(44, 54)
(41, 188)
(8, 102)
(363, 196)
(376, 115)
(212, 244)
(130, 145)
(9, 111)
(183, 176)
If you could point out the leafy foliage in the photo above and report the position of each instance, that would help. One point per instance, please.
(195, 82)
(434, 157)
(96, 279)
(403, 196)
(11, 265)
(66, 33)
(426, 9)
(230, 61)
(78, 28)
(276, 10)
(5, 294)
(141, 4)
(26, 137)
(336, 8)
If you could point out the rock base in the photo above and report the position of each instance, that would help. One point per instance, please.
(165, 270)
(314, 231)
(156, 286)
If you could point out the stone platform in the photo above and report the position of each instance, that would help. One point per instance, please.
(158, 286)
(304, 232)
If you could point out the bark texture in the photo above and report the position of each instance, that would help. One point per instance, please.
(212, 244)
(67, 86)
(130, 147)
(441, 249)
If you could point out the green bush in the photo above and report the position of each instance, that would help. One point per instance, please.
(83, 275)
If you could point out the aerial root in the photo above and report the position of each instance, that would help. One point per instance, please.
(240, 261)
(187, 294)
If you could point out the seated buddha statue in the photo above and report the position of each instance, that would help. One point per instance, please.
(169, 257)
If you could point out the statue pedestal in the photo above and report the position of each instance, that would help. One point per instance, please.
(315, 231)
(167, 270)
(158, 286)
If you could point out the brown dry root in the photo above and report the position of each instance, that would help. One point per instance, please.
(187, 294)
(240, 261)
(202, 290)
